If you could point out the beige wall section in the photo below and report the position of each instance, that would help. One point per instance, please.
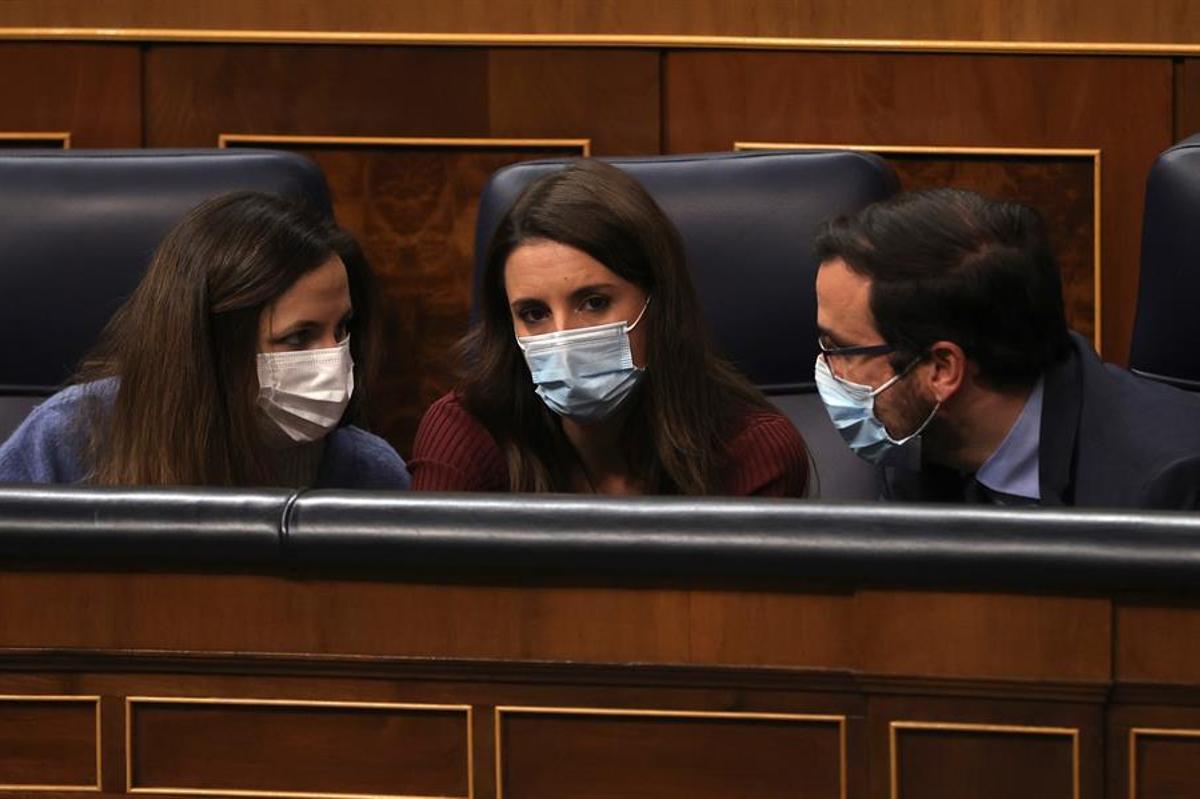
(1068, 21)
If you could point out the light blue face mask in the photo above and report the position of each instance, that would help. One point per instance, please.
(851, 407)
(584, 374)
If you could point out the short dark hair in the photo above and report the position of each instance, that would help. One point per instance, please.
(948, 264)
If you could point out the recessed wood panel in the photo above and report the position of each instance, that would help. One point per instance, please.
(48, 743)
(713, 99)
(298, 747)
(413, 209)
(1164, 763)
(91, 91)
(649, 754)
(932, 761)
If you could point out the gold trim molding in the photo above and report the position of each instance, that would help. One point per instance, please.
(466, 710)
(95, 702)
(666, 41)
(1151, 732)
(800, 718)
(63, 137)
(1004, 729)
(225, 140)
(1094, 153)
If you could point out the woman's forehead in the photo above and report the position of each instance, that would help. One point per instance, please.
(540, 268)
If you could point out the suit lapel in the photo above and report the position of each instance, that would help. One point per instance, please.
(1062, 404)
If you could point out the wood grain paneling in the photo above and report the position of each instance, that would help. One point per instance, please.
(48, 743)
(985, 635)
(1187, 98)
(611, 97)
(193, 94)
(92, 92)
(1164, 762)
(264, 614)
(1019, 20)
(1158, 643)
(656, 754)
(1122, 107)
(14, 140)
(288, 747)
(959, 761)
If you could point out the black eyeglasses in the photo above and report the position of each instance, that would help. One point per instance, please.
(870, 349)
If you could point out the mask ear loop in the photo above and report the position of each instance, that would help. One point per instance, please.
(629, 328)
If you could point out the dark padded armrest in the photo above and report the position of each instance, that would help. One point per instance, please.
(883, 544)
(141, 527)
(506, 537)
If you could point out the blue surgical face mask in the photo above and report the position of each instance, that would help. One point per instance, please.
(851, 407)
(586, 373)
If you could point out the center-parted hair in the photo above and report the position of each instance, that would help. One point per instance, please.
(183, 346)
(682, 412)
(952, 265)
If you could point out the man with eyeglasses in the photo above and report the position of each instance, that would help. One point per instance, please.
(945, 359)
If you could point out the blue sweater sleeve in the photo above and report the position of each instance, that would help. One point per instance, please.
(357, 459)
(50, 445)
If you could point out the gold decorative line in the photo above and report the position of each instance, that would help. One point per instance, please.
(224, 140)
(95, 701)
(681, 41)
(1093, 153)
(803, 718)
(62, 136)
(1150, 732)
(242, 702)
(1005, 729)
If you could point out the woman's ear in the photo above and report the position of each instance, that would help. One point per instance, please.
(947, 369)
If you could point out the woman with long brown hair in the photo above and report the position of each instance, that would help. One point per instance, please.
(240, 360)
(590, 369)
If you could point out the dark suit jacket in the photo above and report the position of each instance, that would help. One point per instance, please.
(1108, 439)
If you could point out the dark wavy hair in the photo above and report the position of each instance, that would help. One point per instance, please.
(952, 265)
(183, 346)
(689, 400)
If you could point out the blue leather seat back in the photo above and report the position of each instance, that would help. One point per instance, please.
(78, 228)
(747, 221)
(1166, 333)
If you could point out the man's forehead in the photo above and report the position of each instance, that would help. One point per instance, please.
(844, 302)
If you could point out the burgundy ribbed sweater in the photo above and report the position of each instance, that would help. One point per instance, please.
(455, 452)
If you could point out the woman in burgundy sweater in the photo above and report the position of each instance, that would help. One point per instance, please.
(591, 371)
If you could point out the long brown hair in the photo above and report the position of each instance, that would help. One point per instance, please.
(689, 400)
(183, 346)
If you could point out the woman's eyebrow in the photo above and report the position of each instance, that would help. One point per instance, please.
(594, 288)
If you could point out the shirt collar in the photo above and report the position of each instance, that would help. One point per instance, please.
(1013, 467)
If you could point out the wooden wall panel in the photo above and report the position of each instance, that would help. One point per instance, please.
(91, 91)
(1120, 106)
(1187, 98)
(1017, 20)
(49, 742)
(557, 754)
(982, 762)
(297, 747)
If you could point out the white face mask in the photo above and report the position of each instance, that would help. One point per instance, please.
(305, 393)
